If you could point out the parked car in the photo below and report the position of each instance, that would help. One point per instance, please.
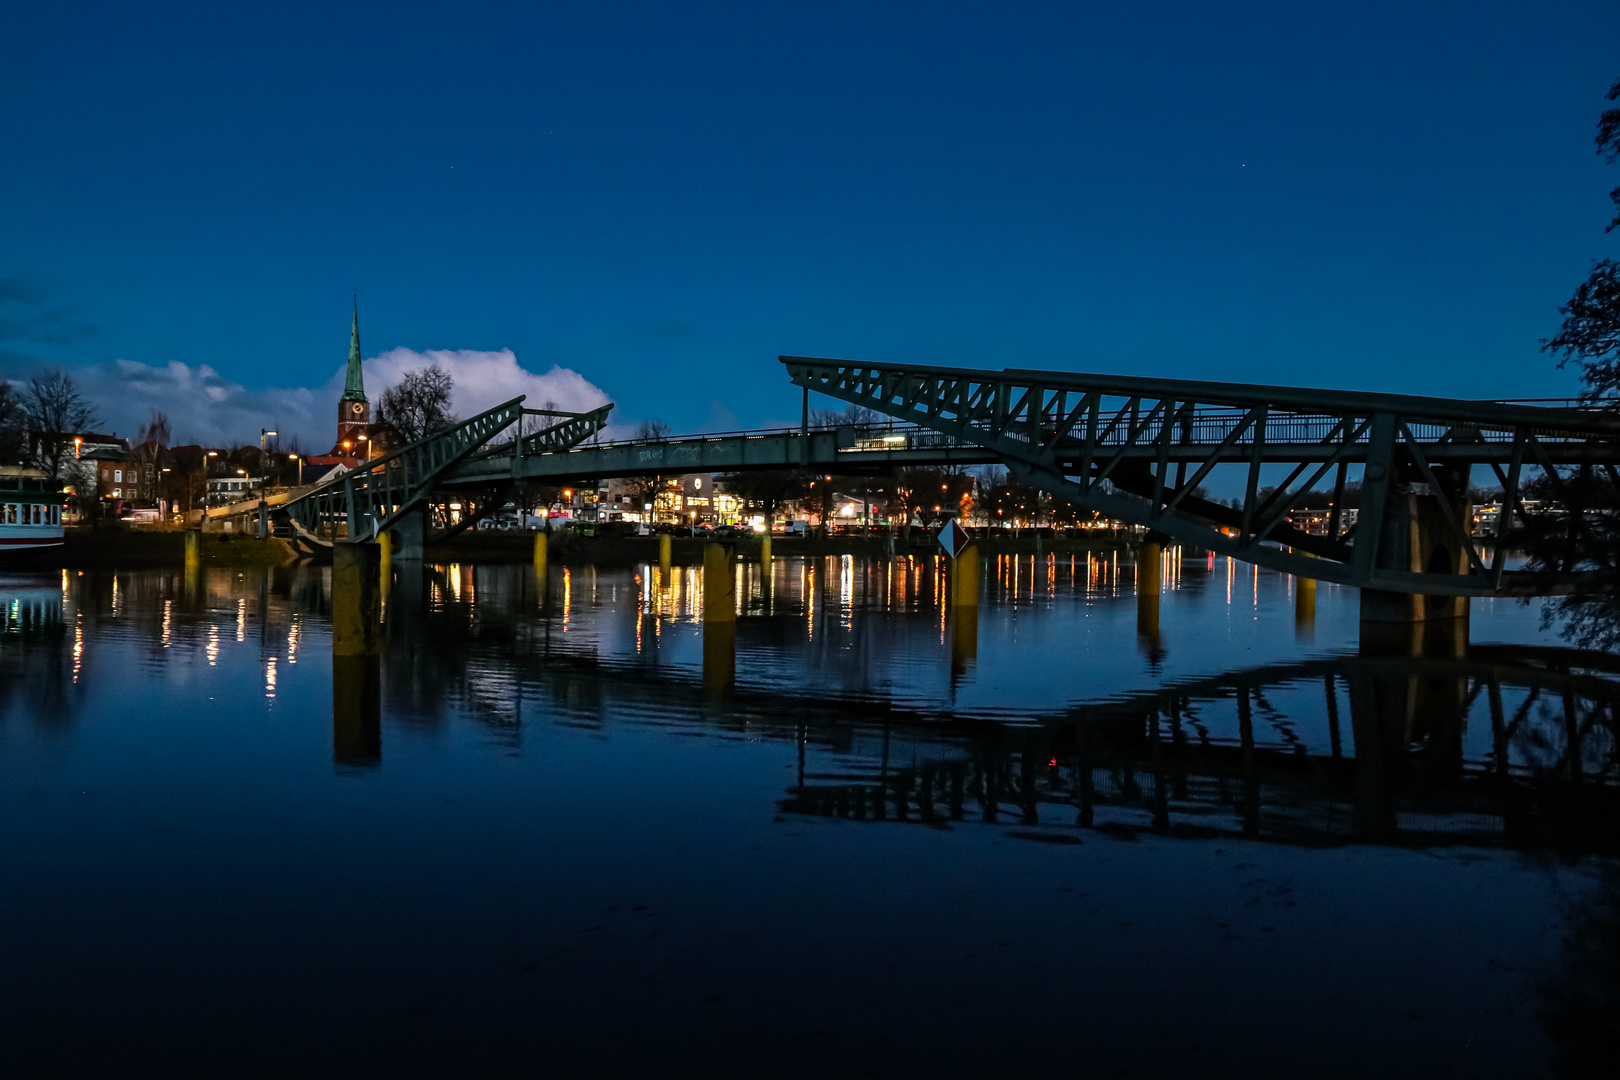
(702, 530)
(796, 528)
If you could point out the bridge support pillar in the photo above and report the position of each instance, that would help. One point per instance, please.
(355, 599)
(1148, 585)
(409, 537)
(264, 521)
(719, 619)
(193, 551)
(663, 558)
(542, 555)
(1414, 536)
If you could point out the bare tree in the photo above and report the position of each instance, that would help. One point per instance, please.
(155, 433)
(420, 404)
(853, 416)
(11, 425)
(55, 411)
(767, 490)
(645, 489)
(653, 430)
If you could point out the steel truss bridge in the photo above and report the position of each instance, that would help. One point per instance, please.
(1134, 449)
(385, 492)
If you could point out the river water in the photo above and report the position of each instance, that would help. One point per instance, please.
(540, 836)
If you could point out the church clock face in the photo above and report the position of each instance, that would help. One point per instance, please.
(357, 407)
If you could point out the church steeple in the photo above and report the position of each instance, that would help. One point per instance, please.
(354, 411)
(354, 388)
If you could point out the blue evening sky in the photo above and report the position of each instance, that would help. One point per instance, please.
(664, 197)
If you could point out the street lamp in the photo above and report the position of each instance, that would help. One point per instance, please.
(262, 433)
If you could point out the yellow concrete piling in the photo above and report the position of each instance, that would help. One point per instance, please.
(1148, 585)
(385, 561)
(663, 558)
(356, 609)
(193, 551)
(963, 600)
(765, 566)
(540, 555)
(719, 583)
(719, 618)
(1304, 600)
(965, 577)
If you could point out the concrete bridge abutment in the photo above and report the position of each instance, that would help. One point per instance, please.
(407, 537)
(1415, 535)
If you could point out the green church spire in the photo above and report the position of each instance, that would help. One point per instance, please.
(354, 389)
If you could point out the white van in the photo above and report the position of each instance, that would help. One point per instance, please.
(796, 528)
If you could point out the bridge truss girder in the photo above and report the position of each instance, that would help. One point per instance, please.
(1138, 449)
(373, 497)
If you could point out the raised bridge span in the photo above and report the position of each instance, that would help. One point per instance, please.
(1139, 450)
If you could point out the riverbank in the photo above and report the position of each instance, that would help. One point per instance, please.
(118, 548)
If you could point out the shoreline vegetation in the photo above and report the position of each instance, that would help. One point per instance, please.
(119, 548)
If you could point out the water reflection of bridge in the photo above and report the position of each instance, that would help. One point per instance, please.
(1503, 745)
(1197, 758)
(1510, 746)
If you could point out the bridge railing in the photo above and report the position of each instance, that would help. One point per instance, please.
(1213, 426)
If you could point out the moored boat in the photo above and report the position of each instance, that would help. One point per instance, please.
(30, 513)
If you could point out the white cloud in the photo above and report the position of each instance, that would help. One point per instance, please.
(482, 380)
(205, 407)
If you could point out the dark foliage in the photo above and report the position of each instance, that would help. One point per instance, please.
(1585, 532)
(765, 491)
(11, 425)
(1590, 335)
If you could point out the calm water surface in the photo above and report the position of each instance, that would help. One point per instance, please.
(539, 836)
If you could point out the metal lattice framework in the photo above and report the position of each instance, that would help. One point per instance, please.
(570, 430)
(364, 501)
(1138, 449)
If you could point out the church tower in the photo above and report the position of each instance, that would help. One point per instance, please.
(354, 411)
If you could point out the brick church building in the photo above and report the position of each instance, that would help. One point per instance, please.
(358, 439)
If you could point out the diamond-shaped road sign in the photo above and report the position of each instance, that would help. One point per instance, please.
(953, 537)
